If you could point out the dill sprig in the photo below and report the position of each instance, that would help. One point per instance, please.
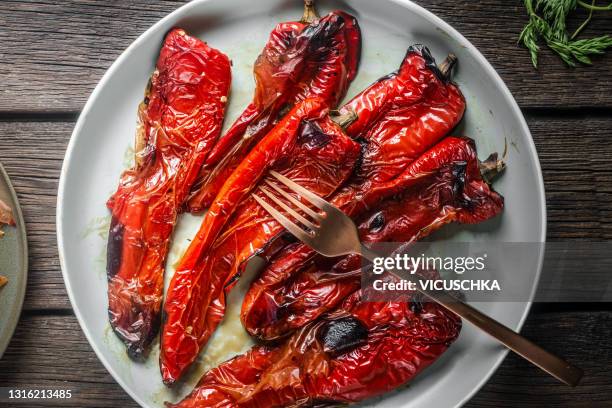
(548, 22)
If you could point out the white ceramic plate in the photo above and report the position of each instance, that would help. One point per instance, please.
(105, 132)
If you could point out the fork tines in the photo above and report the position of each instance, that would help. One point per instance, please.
(291, 206)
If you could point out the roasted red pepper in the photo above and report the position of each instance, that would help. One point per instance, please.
(173, 139)
(399, 117)
(418, 100)
(454, 192)
(306, 145)
(361, 350)
(301, 59)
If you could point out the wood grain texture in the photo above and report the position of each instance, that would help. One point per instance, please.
(32, 153)
(581, 338)
(64, 359)
(54, 52)
(52, 351)
(574, 153)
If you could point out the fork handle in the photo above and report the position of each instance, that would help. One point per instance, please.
(553, 365)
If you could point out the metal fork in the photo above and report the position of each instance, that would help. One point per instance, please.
(331, 233)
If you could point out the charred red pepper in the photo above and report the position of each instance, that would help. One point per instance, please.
(361, 350)
(455, 191)
(314, 57)
(306, 145)
(419, 98)
(399, 117)
(173, 139)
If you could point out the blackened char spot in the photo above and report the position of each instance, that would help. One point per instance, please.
(323, 403)
(363, 148)
(313, 136)
(342, 335)
(430, 61)
(114, 247)
(458, 172)
(377, 222)
(289, 238)
(283, 111)
(321, 33)
(286, 39)
(459, 179)
(416, 304)
(139, 350)
(283, 311)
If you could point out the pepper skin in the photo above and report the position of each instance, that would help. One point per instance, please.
(361, 350)
(317, 59)
(304, 146)
(399, 117)
(173, 139)
(418, 100)
(455, 192)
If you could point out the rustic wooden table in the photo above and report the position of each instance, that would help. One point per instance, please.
(54, 52)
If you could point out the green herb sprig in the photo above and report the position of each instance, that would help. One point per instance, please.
(547, 21)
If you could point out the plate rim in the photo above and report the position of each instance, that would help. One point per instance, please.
(15, 314)
(411, 6)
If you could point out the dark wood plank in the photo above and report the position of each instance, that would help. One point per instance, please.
(54, 52)
(52, 351)
(581, 338)
(32, 153)
(494, 26)
(574, 153)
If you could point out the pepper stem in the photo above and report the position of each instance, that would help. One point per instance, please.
(310, 12)
(447, 65)
(345, 119)
(491, 167)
